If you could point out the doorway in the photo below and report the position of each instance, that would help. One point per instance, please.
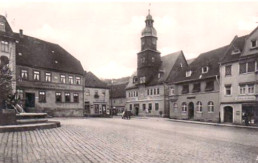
(191, 110)
(228, 114)
(29, 102)
(136, 108)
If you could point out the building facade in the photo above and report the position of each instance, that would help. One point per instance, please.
(195, 91)
(96, 96)
(48, 78)
(118, 97)
(147, 90)
(239, 81)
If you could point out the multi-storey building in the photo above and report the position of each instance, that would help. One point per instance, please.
(48, 78)
(96, 96)
(239, 80)
(194, 94)
(146, 91)
(118, 97)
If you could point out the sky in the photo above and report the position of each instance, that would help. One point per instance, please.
(105, 35)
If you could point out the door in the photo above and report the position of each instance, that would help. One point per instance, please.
(103, 109)
(29, 102)
(191, 110)
(136, 109)
(228, 114)
(87, 108)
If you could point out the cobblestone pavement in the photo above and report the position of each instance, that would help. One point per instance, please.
(139, 140)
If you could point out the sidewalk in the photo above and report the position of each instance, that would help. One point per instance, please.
(213, 124)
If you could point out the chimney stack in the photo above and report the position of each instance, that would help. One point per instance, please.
(21, 33)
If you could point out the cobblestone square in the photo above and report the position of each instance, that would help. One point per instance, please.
(142, 140)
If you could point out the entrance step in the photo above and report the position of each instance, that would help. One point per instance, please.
(31, 115)
(31, 121)
(29, 127)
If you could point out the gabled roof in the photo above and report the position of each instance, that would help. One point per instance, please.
(8, 29)
(237, 43)
(118, 91)
(209, 59)
(37, 53)
(189, 61)
(92, 81)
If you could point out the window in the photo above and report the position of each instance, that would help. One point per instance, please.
(228, 90)
(2, 26)
(253, 43)
(75, 97)
(235, 51)
(175, 106)
(210, 106)
(156, 106)
(96, 95)
(242, 89)
(143, 107)
(62, 78)
(87, 92)
(150, 91)
(199, 106)
(197, 87)
(42, 96)
(188, 73)
(172, 91)
(185, 89)
(143, 59)
(135, 79)
(209, 86)
(184, 107)
(150, 107)
(153, 59)
(129, 94)
(24, 74)
(58, 97)
(67, 97)
(36, 75)
(70, 79)
(142, 79)
(242, 68)
(205, 69)
(136, 93)
(159, 75)
(158, 91)
(154, 91)
(250, 88)
(48, 77)
(251, 66)
(4, 46)
(20, 94)
(131, 106)
(96, 108)
(228, 70)
(78, 80)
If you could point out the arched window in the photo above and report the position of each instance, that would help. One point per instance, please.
(175, 106)
(210, 106)
(199, 106)
(184, 107)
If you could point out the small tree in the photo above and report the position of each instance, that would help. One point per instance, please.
(5, 80)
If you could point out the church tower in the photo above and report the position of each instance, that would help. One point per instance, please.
(148, 59)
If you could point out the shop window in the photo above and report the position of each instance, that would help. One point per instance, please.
(156, 106)
(36, 75)
(67, 97)
(131, 107)
(76, 97)
(143, 107)
(42, 96)
(96, 108)
(58, 97)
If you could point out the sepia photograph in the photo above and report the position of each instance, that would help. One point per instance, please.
(113, 81)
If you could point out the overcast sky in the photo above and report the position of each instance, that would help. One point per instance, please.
(105, 36)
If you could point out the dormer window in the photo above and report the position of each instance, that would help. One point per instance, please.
(205, 69)
(235, 51)
(2, 26)
(188, 73)
(253, 43)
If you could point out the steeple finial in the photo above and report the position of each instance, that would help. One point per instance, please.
(149, 8)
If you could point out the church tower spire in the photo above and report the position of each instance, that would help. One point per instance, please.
(148, 60)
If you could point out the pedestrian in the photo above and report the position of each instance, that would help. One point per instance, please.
(246, 119)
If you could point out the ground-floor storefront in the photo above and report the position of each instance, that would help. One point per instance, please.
(146, 107)
(96, 108)
(245, 113)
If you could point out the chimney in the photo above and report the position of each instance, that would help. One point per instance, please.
(21, 33)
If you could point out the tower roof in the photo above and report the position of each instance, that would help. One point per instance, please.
(149, 30)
